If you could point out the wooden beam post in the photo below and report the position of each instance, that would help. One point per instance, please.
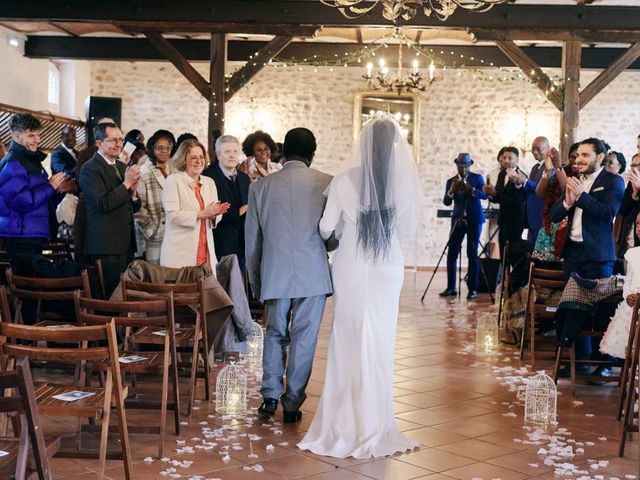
(242, 76)
(175, 57)
(217, 81)
(531, 69)
(609, 74)
(571, 57)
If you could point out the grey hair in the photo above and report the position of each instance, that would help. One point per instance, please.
(225, 139)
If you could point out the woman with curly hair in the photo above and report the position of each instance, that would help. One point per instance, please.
(259, 148)
(150, 219)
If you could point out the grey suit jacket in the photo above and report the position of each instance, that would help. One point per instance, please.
(286, 257)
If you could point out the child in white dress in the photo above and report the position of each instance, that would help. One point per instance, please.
(616, 337)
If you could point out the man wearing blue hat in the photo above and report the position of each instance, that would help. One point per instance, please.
(464, 190)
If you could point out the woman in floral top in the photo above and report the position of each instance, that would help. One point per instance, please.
(259, 148)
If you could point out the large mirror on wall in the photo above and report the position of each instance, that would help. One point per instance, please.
(405, 108)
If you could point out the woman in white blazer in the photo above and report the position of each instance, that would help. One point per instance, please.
(191, 205)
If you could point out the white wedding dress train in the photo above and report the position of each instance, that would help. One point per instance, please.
(355, 414)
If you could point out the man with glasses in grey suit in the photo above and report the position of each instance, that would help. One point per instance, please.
(288, 270)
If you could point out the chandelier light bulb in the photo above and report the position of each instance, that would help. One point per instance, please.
(382, 63)
(369, 69)
(415, 65)
(432, 70)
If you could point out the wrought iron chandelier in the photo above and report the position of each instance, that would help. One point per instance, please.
(407, 9)
(398, 82)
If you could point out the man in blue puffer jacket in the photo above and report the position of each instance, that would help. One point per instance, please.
(26, 192)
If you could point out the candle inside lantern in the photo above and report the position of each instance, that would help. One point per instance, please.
(235, 400)
(488, 342)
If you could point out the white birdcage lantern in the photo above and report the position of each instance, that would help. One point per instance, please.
(540, 402)
(487, 333)
(231, 391)
(254, 344)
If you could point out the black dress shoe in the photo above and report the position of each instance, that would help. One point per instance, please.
(603, 372)
(268, 407)
(472, 294)
(449, 292)
(565, 372)
(291, 417)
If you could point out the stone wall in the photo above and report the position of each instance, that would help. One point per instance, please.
(458, 114)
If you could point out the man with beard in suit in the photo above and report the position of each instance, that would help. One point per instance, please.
(511, 218)
(233, 188)
(109, 189)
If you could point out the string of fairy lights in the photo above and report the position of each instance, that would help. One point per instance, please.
(435, 58)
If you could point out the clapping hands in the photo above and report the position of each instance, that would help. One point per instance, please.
(552, 160)
(517, 177)
(575, 188)
(214, 209)
(634, 180)
(132, 177)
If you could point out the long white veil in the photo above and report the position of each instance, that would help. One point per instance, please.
(388, 186)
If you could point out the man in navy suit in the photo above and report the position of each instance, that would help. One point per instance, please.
(591, 202)
(233, 187)
(63, 158)
(465, 192)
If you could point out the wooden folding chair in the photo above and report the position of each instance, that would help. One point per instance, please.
(187, 299)
(126, 315)
(28, 452)
(629, 392)
(591, 332)
(95, 344)
(536, 311)
(56, 251)
(45, 289)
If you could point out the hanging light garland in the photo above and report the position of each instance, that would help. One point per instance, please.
(406, 9)
(436, 58)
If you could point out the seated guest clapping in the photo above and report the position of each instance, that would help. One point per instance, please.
(191, 205)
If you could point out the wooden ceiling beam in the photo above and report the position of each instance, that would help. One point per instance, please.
(242, 76)
(531, 69)
(306, 12)
(208, 27)
(609, 74)
(139, 49)
(542, 34)
(172, 54)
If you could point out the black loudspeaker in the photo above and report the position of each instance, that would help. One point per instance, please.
(491, 267)
(99, 107)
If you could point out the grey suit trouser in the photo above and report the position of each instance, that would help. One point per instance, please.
(293, 323)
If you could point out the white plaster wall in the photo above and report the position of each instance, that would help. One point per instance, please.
(458, 114)
(24, 81)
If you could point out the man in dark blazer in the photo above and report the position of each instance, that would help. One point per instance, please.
(465, 192)
(591, 202)
(63, 158)
(512, 200)
(233, 187)
(109, 189)
(629, 210)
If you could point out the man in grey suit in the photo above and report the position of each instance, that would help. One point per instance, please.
(288, 270)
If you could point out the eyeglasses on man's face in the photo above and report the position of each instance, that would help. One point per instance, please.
(114, 140)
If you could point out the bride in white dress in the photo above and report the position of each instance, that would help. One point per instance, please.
(370, 207)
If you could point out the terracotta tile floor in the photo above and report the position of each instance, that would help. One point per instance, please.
(446, 397)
